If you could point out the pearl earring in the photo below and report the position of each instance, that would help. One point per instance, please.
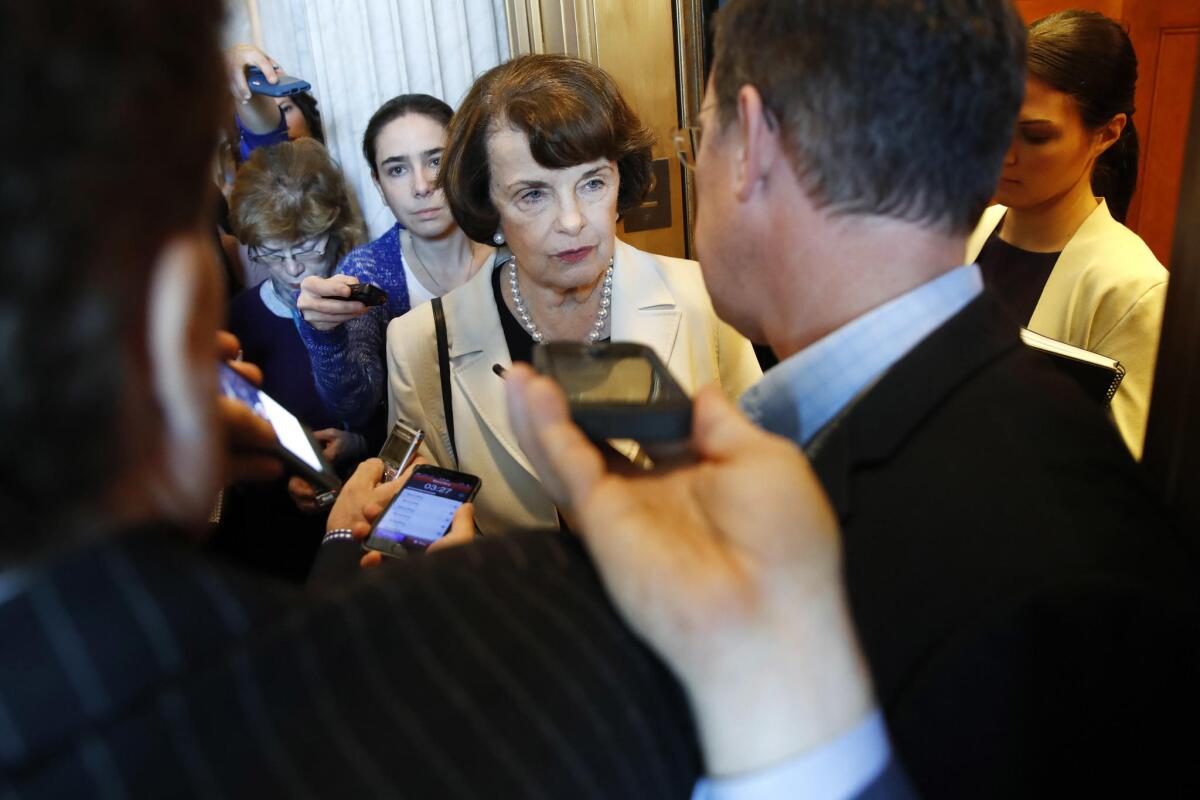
(498, 238)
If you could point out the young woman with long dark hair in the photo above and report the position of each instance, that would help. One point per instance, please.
(423, 255)
(1055, 248)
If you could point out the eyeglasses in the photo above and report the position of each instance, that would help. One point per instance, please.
(309, 252)
(687, 144)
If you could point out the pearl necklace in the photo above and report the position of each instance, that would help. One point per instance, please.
(530, 326)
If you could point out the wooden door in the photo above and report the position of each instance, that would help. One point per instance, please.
(636, 45)
(1166, 38)
(1036, 9)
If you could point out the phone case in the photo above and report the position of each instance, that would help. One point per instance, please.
(665, 416)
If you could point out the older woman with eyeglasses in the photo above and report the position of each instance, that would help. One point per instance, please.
(292, 209)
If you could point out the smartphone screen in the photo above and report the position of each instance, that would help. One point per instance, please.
(291, 433)
(422, 511)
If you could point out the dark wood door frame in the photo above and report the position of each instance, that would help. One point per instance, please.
(1172, 454)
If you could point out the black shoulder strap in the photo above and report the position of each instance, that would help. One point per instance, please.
(443, 349)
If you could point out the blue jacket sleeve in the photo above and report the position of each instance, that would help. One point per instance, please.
(249, 141)
(348, 361)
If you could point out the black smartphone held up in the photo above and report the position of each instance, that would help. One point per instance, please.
(618, 390)
(366, 293)
(287, 84)
(400, 449)
(421, 512)
(299, 450)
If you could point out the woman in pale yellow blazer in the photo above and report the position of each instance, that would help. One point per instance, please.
(1054, 248)
(542, 155)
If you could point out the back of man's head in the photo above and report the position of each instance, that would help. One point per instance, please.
(899, 109)
(112, 114)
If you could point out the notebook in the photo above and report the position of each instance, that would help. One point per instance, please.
(1099, 375)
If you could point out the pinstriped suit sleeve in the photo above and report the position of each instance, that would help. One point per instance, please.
(494, 670)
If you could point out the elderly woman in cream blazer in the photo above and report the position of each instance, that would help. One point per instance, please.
(543, 155)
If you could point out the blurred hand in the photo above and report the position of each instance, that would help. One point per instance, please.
(339, 446)
(250, 439)
(729, 567)
(303, 495)
(324, 314)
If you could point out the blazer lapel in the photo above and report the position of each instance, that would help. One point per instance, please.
(872, 428)
(475, 344)
(643, 307)
(983, 231)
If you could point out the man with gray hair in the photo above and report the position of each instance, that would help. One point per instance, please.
(1025, 609)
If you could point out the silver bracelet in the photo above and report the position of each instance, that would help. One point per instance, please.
(336, 535)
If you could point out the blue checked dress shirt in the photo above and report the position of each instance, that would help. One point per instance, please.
(796, 399)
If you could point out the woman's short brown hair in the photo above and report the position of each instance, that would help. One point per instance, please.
(572, 112)
(294, 191)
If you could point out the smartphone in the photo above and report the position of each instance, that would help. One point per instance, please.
(400, 449)
(421, 512)
(299, 450)
(366, 293)
(287, 84)
(618, 390)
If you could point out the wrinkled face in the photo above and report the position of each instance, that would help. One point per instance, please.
(297, 125)
(408, 154)
(1051, 152)
(290, 263)
(560, 223)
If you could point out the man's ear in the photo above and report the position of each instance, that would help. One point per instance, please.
(1109, 134)
(759, 145)
(182, 310)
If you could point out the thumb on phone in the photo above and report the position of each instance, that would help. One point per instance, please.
(462, 529)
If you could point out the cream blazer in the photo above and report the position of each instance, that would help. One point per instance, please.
(657, 301)
(1105, 294)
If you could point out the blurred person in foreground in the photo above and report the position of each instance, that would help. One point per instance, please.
(134, 667)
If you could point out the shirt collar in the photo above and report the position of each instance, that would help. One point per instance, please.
(271, 300)
(801, 394)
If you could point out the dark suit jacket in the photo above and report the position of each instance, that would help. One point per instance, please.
(1028, 615)
(134, 668)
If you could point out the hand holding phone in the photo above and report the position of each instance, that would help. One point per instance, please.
(296, 445)
(366, 293)
(286, 85)
(400, 449)
(422, 511)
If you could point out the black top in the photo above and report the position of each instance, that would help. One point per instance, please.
(1014, 275)
(520, 343)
